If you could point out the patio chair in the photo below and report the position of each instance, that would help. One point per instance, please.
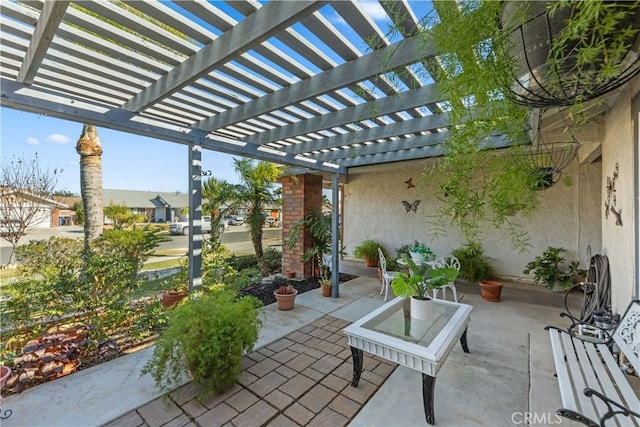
(387, 276)
(452, 262)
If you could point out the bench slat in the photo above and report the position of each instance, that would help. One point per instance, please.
(631, 399)
(564, 382)
(587, 407)
(594, 375)
(604, 384)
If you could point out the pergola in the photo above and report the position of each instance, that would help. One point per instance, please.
(308, 84)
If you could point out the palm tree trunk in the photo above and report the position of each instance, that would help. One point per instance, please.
(90, 151)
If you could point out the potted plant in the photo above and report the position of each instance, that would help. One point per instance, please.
(319, 228)
(552, 269)
(368, 250)
(475, 267)
(417, 285)
(420, 253)
(285, 297)
(176, 288)
(206, 338)
(325, 285)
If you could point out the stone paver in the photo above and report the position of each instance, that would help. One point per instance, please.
(317, 398)
(132, 419)
(297, 386)
(302, 379)
(159, 411)
(217, 416)
(257, 415)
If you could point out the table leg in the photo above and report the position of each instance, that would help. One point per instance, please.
(357, 356)
(463, 341)
(428, 392)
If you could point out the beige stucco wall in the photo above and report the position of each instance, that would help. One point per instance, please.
(569, 216)
(618, 241)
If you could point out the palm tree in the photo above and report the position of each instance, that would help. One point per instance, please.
(255, 192)
(219, 197)
(90, 151)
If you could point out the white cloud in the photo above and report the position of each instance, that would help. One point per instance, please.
(56, 138)
(32, 141)
(375, 11)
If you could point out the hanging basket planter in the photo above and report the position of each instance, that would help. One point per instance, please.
(545, 161)
(553, 67)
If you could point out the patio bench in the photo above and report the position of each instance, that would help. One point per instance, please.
(592, 385)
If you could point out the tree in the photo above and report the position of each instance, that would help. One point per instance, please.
(122, 215)
(255, 192)
(219, 198)
(90, 151)
(24, 183)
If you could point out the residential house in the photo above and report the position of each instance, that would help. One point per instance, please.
(157, 206)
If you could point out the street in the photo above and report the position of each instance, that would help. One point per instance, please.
(236, 239)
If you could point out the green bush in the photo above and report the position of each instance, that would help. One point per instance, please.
(206, 336)
(474, 265)
(53, 291)
(272, 257)
(552, 269)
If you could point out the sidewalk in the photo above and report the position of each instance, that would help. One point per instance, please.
(508, 373)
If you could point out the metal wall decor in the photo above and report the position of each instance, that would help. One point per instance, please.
(411, 206)
(410, 183)
(610, 203)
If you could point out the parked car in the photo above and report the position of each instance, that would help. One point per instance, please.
(235, 220)
(182, 227)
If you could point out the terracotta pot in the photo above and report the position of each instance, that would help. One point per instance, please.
(490, 290)
(326, 290)
(170, 299)
(370, 262)
(290, 274)
(285, 301)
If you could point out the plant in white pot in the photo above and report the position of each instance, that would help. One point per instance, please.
(421, 253)
(417, 284)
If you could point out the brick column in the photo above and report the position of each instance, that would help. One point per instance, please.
(300, 195)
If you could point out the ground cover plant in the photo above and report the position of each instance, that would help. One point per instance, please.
(117, 309)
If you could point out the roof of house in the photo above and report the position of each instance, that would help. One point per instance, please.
(7, 193)
(145, 199)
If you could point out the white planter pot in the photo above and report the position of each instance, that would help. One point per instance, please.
(417, 257)
(421, 309)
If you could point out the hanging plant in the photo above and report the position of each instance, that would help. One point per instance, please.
(480, 184)
(568, 52)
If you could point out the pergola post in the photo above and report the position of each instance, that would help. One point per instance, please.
(335, 236)
(195, 215)
(300, 195)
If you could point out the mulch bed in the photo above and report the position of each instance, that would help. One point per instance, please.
(264, 291)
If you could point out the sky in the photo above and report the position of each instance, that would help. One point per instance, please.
(129, 162)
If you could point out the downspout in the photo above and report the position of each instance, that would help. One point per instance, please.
(335, 236)
(635, 120)
(195, 215)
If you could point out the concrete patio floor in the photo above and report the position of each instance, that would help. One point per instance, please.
(507, 376)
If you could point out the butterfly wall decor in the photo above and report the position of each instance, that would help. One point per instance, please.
(410, 183)
(411, 206)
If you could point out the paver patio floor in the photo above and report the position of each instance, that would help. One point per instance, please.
(302, 379)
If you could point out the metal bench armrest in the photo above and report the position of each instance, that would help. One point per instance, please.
(614, 408)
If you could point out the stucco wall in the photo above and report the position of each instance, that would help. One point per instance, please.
(618, 241)
(569, 216)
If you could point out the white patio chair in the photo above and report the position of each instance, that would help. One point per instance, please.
(447, 261)
(387, 276)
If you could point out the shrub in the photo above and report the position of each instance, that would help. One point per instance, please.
(474, 265)
(206, 336)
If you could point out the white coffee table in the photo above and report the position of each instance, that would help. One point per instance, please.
(423, 345)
